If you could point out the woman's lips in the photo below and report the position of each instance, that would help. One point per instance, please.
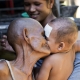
(34, 16)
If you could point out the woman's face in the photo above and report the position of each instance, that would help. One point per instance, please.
(37, 9)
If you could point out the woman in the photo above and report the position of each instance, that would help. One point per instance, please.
(41, 10)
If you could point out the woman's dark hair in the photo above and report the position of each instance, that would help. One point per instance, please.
(54, 9)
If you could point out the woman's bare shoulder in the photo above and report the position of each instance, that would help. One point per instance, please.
(3, 68)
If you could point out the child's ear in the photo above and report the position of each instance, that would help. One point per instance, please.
(61, 46)
(25, 35)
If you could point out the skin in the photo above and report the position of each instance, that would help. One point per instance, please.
(22, 37)
(59, 65)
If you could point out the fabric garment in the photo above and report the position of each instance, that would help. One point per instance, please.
(39, 63)
(12, 75)
(9, 66)
(76, 72)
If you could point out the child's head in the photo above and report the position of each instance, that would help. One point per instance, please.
(29, 32)
(61, 34)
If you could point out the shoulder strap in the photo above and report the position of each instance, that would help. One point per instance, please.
(10, 69)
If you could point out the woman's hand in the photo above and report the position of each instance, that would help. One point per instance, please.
(5, 45)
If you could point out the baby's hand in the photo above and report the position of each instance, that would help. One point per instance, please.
(5, 45)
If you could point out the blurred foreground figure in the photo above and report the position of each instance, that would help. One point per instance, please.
(25, 37)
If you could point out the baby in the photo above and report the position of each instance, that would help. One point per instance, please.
(61, 35)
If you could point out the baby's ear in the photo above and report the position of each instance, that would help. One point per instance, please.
(61, 46)
(25, 35)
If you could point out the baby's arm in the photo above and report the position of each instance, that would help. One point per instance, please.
(45, 70)
(77, 46)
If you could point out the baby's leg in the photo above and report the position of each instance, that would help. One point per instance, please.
(76, 72)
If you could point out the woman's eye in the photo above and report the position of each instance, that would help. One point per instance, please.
(46, 38)
(37, 4)
(26, 4)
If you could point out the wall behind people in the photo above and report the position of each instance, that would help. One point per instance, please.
(73, 3)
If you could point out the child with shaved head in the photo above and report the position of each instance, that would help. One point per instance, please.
(61, 34)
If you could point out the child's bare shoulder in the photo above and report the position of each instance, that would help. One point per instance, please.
(53, 58)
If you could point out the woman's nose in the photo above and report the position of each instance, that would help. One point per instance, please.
(32, 8)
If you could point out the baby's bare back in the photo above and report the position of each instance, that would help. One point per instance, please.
(62, 65)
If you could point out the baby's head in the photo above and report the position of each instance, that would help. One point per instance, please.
(61, 34)
(28, 31)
